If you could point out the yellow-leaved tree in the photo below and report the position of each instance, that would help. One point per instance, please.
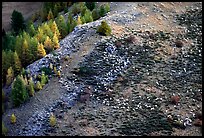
(50, 15)
(48, 44)
(55, 29)
(13, 118)
(9, 76)
(41, 50)
(55, 42)
(52, 120)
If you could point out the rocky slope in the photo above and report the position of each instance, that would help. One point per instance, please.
(124, 86)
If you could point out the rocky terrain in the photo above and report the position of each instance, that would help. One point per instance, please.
(145, 79)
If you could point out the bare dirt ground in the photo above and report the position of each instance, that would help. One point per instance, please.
(26, 8)
(52, 91)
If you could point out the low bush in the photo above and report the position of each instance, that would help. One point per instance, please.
(104, 29)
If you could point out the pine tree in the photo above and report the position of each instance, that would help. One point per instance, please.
(17, 63)
(55, 70)
(58, 73)
(107, 7)
(88, 16)
(95, 14)
(54, 29)
(17, 22)
(41, 50)
(79, 20)
(38, 86)
(25, 54)
(90, 5)
(55, 11)
(40, 35)
(62, 26)
(48, 45)
(52, 120)
(19, 93)
(104, 29)
(4, 130)
(9, 76)
(55, 42)
(50, 15)
(13, 118)
(73, 24)
(102, 11)
(31, 87)
(33, 49)
(18, 46)
(44, 79)
(31, 30)
(47, 30)
(83, 20)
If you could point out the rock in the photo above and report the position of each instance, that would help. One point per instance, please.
(197, 122)
(179, 44)
(175, 99)
(198, 115)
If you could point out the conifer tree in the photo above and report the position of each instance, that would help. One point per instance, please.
(9, 76)
(4, 129)
(104, 29)
(40, 35)
(38, 86)
(62, 26)
(55, 10)
(19, 93)
(90, 5)
(48, 45)
(107, 7)
(95, 14)
(33, 48)
(18, 46)
(52, 120)
(88, 16)
(79, 20)
(72, 25)
(17, 63)
(17, 22)
(25, 54)
(44, 79)
(13, 118)
(31, 30)
(31, 87)
(54, 29)
(102, 11)
(55, 42)
(50, 15)
(47, 30)
(41, 50)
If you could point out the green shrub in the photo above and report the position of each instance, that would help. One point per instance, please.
(38, 86)
(90, 5)
(104, 29)
(47, 71)
(44, 79)
(102, 11)
(19, 92)
(95, 14)
(4, 129)
(107, 7)
(75, 9)
(31, 87)
(88, 16)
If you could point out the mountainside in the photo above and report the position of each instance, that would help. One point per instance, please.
(138, 81)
